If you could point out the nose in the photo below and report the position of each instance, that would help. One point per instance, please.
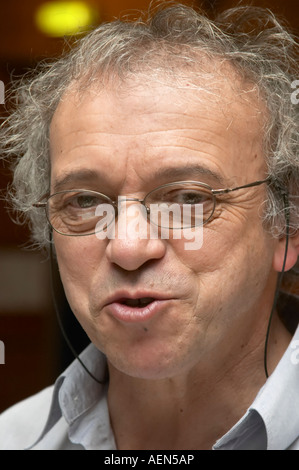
(134, 243)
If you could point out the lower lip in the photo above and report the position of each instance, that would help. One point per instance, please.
(128, 314)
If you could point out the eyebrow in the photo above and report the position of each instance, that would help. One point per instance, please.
(190, 171)
(74, 177)
(81, 176)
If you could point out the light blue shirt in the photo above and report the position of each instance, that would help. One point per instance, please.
(74, 413)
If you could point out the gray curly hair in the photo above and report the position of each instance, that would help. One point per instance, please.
(250, 39)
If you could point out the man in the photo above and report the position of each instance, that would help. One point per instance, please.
(177, 110)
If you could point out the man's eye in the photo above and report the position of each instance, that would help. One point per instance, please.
(187, 197)
(85, 201)
(79, 201)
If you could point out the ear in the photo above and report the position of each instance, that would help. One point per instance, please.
(292, 255)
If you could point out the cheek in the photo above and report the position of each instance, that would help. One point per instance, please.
(210, 256)
(231, 258)
(78, 259)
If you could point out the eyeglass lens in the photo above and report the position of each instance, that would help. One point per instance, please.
(174, 205)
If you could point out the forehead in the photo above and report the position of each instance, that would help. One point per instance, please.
(142, 116)
(213, 90)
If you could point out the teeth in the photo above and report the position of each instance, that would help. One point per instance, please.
(138, 302)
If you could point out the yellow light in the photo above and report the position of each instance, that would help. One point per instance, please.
(64, 18)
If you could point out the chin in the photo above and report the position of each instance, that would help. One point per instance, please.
(150, 366)
(144, 355)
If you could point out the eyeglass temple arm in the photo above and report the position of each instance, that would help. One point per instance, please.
(39, 204)
(249, 185)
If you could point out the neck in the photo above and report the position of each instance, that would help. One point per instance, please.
(191, 410)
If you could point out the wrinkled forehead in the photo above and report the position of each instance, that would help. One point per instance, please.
(214, 85)
(152, 116)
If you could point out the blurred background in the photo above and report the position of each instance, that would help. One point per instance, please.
(35, 351)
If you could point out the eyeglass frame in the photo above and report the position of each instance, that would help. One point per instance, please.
(214, 193)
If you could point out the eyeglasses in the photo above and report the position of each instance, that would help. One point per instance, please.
(79, 212)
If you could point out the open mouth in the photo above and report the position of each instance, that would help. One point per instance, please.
(129, 308)
(137, 303)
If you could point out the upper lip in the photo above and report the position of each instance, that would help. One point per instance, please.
(121, 296)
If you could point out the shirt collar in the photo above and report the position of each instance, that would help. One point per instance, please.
(278, 401)
(82, 402)
(80, 391)
(273, 415)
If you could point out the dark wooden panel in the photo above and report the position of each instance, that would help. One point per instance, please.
(30, 363)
